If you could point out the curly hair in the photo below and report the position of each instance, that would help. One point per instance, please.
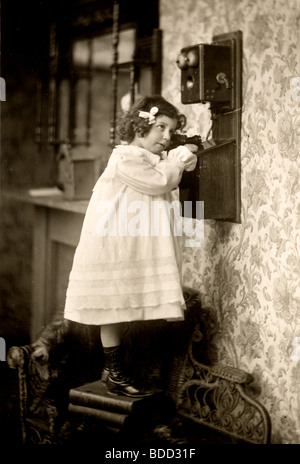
(131, 124)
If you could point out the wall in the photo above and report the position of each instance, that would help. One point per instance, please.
(249, 273)
(22, 166)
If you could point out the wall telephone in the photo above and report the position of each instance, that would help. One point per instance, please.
(213, 73)
(206, 73)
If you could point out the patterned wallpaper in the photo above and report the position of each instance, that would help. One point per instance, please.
(249, 273)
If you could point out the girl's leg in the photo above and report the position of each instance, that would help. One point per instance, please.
(111, 335)
(116, 380)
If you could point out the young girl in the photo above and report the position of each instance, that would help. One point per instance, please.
(125, 269)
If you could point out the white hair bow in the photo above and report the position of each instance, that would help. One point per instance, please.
(149, 115)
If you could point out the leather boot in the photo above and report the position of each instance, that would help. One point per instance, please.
(117, 382)
(104, 375)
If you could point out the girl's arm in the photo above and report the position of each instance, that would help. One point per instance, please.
(153, 179)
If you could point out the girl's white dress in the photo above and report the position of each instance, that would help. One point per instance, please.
(127, 267)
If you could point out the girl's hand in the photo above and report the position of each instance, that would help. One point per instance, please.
(193, 148)
(184, 157)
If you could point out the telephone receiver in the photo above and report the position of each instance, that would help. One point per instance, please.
(181, 139)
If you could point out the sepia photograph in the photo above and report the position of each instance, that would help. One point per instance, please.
(150, 226)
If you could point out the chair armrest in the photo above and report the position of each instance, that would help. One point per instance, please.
(215, 396)
(231, 374)
(33, 376)
(17, 356)
(65, 354)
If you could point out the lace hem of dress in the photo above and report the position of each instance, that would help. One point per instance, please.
(104, 302)
(92, 316)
